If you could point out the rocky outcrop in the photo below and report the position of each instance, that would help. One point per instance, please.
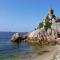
(25, 36)
(49, 31)
(36, 36)
(58, 41)
(43, 37)
(15, 37)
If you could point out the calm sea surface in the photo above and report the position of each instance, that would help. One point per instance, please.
(14, 51)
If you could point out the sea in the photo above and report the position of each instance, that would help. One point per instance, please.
(16, 51)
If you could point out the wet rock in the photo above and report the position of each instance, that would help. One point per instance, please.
(25, 36)
(15, 37)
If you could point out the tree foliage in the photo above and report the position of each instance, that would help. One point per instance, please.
(40, 25)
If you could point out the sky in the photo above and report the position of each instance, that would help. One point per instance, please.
(25, 15)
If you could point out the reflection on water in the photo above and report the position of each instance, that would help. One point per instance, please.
(15, 44)
(16, 51)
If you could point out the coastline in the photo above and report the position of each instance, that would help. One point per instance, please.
(45, 56)
(50, 55)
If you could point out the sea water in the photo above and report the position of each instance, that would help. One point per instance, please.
(15, 51)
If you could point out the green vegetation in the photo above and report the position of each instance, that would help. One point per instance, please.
(47, 24)
(41, 25)
(48, 20)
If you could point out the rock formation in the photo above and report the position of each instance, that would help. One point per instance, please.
(49, 31)
(15, 37)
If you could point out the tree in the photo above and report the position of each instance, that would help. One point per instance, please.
(40, 25)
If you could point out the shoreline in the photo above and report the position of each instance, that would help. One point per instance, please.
(50, 55)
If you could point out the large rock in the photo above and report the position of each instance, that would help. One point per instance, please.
(36, 36)
(37, 33)
(50, 32)
(25, 36)
(58, 41)
(15, 37)
(41, 36)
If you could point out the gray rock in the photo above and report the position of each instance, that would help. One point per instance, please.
(15, 37)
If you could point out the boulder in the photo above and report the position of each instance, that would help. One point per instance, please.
(42, 36)
(58, 41)
(37, 33)
(15, 37)
(36, 36)
(25, 36)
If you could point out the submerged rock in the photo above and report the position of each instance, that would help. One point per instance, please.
(15, 37)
